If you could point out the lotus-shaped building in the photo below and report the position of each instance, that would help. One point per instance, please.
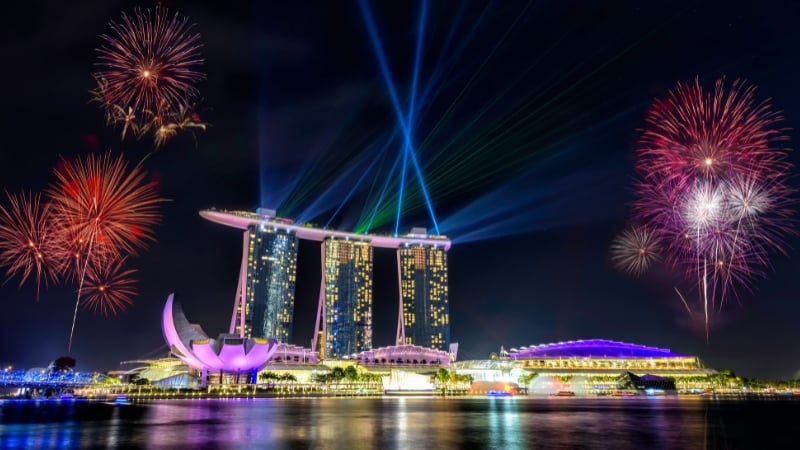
(227, 353)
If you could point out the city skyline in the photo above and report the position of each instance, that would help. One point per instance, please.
(343, 326)
(524, 128)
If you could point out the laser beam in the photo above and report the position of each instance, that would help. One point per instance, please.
(387, 77)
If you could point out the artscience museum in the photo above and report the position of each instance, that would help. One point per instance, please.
(227, 354)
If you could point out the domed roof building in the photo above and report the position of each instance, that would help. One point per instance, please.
(227, 353)
(593, 348)
(596, 360)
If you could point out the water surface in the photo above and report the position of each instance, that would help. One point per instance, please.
(382, 423)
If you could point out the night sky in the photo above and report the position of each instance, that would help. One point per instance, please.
(525, 140)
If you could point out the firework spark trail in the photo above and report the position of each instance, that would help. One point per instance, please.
(26, 243)
(683, 300)
(713, 185)
(100, 203)
(81, 280)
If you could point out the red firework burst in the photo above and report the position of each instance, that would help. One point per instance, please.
(102, 207)
(714, 185)
(27, 244)
(149, 67)
(109, 288)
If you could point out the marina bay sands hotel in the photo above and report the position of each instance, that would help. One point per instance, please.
(265, 294)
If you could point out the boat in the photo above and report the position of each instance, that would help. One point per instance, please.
(499, 394)
(564, 394)
(651, 392)
(119, 399)
(624, 393)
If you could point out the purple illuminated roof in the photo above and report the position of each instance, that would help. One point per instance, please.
(228, 353)
(591, 348)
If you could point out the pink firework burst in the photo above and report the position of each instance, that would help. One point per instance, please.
(694, 133)
(714, 186)
(149, 66)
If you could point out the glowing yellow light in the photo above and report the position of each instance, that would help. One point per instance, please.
(709, 161)
(146, 73)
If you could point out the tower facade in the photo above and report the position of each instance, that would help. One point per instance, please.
(267, 285)
(423, 290)
(348, 297)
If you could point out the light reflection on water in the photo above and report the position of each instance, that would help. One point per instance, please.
(370, 423)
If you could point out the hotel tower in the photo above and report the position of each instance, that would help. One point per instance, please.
(425, 311)
(265, 295)
(348, 297)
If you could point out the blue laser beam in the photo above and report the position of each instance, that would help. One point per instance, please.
(322, 202)
(417, 57)
(400, 192)
(441, 65)
(410, 120)
(387, 77)
(525, 205)
(428, 202)
(382, 194)
(361, 179)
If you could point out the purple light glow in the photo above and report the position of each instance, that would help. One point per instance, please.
(228, 353)
(592, 348)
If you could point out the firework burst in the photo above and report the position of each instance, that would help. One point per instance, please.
(713, 186)
(109, 288)
(27, 244)
(165, 128)
(635, 250)
(103, 204)
(103, 210)
(149, 66)
(694, 133)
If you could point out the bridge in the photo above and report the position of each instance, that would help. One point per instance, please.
(37, 379)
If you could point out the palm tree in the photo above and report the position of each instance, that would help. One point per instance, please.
(351, 373)
(442, 376)
(525, 379)
(337, 374)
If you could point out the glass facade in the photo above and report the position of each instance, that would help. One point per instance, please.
(269, 290)
(348, 297)
(423, 284)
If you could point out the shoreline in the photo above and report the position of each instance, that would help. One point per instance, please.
(123, 399)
